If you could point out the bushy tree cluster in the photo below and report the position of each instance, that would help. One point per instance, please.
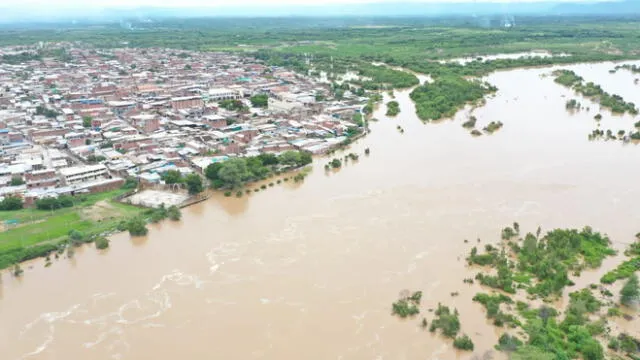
(237, 171)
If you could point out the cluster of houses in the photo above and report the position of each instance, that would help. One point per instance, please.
(85, 121)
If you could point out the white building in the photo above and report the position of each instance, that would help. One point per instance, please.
(223, 94)
(80, 174)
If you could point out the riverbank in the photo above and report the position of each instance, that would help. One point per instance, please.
(33, 233)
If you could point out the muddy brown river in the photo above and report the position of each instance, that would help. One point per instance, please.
(309, 271)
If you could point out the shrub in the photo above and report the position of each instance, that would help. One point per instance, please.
(75, 236)
(137, 227)
(630, 292)
(11, 203)
(102, 243)
(508, 343)
(227, 193)
(51, 203)
(470, 123)
(239, 194)
(447, 321)
(407, 306)
(174, 213)
(463, 343)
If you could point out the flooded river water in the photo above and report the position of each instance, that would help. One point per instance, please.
(309, 271)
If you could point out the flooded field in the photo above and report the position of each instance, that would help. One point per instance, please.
(512, 56)
(309, 271)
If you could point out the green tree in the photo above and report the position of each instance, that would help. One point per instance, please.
(630, 292)
(86, 121)
(11, 203)
(76, 236)
(260, 100)
(130, 183)
(137, 227)
(172, 177)
(174, 213)
(16, 181)
(102, 243)
(463, 343)
(211, 171)
(291, 158)
(268, 159)
(532, 353)
(194, 183)
(234, 172)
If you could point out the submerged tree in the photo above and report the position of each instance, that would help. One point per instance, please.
(630, 293)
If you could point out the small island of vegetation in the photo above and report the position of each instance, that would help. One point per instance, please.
(615, 103)
(541, 266)
(446, 95)
(393, 108)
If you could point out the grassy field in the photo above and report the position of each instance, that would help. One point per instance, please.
(92, 215)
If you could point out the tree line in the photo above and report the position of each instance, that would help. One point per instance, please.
(236, 172)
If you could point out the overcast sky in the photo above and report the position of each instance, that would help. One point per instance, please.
(192, 3)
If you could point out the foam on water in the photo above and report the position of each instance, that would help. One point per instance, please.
(111, 326)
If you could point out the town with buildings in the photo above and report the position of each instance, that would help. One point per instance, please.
(85, 120)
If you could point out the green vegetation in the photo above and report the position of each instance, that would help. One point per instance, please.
(492, 304)
(493, 127)
(235, 172)
(137, 227)
(393, 108)
(573, 104)
(614, 312)
(16, 181)
(633, 68)
(52, 203)
(627, 344)
(446, 320)
(407, 306)
(508, 343)
(41, 110)
(463, 343)
(383, 77)
(194, 184)
(627, 268)
(630, 293)
(172, 177)
(102, 243)
(174, 213)
(446, 95)
(233, 105)
(260, 100)
(548, 339)
(547, 260)
(335, 163)
(96, 159)
(540, 266)
(590, 90)
(471, 123)
(11, 203)
(41, 232)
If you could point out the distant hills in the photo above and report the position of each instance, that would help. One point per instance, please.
(15, 13)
